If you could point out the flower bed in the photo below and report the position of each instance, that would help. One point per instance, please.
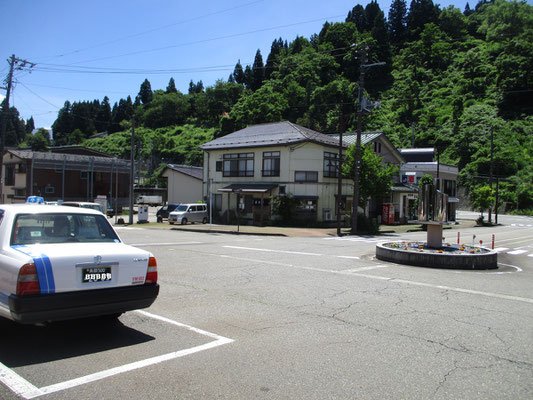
(447, 248)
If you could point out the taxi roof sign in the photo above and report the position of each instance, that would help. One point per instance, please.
(35, 200)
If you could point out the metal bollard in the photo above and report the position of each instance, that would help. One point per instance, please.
(458, 237)
(493, 241)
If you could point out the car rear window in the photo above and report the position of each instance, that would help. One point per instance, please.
(61, 228)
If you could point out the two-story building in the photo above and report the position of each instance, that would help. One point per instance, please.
(245, 170)
(67, 173)
(419, 162)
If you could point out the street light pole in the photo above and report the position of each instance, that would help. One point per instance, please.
(361, 110)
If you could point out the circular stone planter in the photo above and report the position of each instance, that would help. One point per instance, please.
(449, 256)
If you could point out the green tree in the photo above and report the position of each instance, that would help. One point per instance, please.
(171, 88)
(421, 12)
(30, 125)
(238, 73)
(482, 198)
(398, 22)
(38, 141)
(258, 69)
(145, 93)
(375, 177)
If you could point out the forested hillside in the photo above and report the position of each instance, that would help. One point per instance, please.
(452, 77)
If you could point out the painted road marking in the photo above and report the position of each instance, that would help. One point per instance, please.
(25, 389)
(163, 244)
(353, 270)
(273, 251)
(500, 249)
(516, 252)
(385, 278)
(349, 257)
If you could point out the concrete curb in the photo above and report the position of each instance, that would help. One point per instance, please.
(488, 260)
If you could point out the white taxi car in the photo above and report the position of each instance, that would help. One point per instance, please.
(61, 262)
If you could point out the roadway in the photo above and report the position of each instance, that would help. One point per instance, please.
(246, 317)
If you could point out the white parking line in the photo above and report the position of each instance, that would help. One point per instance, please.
(25, 389)
(500, 249)
(516, 252)
(164, 244)
(389, 279)
(273, 251)
(353, 270)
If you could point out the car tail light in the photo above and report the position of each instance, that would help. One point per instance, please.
(28, 281)
(151, 275)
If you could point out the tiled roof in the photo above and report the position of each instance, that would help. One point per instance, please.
(271, 134)
(59, 157)
(195, 172)
(350, 138)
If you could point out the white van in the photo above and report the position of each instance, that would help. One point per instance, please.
(188, 213)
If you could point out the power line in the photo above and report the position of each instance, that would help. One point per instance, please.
(153, 30)
(207, 40)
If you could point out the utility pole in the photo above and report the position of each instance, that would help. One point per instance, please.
(491, 166)
(19, 64)
(339, 176)
(132, 166)
(361, 110)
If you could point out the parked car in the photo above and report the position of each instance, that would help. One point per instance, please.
(188, 213)
(163, 212)
(59, 263)
(84, 204)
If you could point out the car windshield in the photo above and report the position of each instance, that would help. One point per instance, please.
(181, 208)
(61, 228)
(96, 207)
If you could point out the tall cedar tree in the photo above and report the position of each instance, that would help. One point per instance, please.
(358, 16)
(275, 52)
(398, 22)
(30, 125)
(145, 93)
(258, 70)
(238, 73)
(421, 12)
(171, 88)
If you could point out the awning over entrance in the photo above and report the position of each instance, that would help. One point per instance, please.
(249, 187)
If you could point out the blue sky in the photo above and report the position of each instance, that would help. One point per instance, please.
(198, 40)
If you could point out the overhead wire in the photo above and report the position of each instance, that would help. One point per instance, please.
(77, 51)
(207, 40)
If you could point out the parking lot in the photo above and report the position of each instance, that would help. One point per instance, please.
(243, 316)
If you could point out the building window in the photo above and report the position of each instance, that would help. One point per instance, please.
(20, 192)
(218, 166)
(21, 169)
(331, 165)
(84, 174)
(271, 163)
(238, 164)
(49, 190)
(377, 147)
(10, 175)
(306, 176)
(450, 187)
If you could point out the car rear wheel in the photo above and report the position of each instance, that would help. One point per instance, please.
(204, 221)
(184, 221)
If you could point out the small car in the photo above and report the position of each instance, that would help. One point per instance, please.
(163, 212)
(84, 204)
(59, 263)
(195, 212)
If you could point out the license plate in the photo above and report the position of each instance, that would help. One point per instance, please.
(96, 274)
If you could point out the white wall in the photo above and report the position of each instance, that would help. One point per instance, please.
(183, 188)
